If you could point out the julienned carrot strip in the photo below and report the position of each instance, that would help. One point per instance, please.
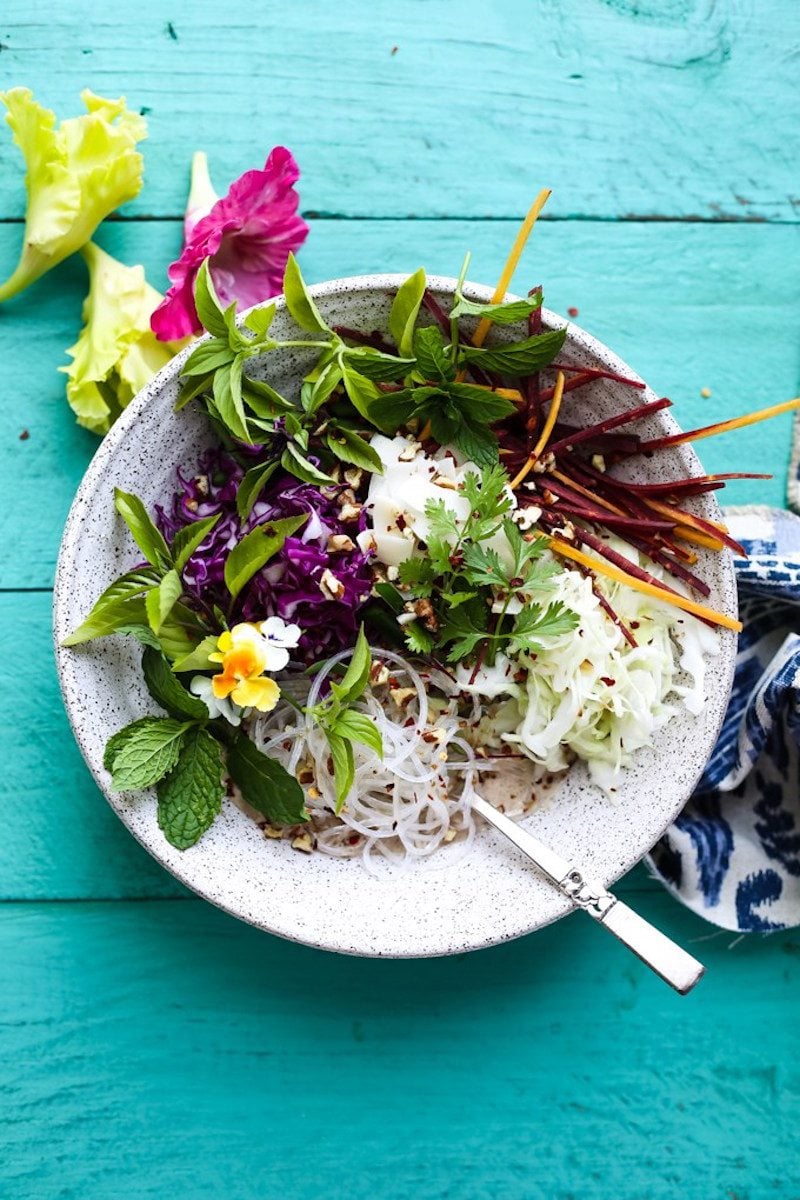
(638, 585)
(510, 267)
(694, 435)
(698, 539)
(544, 437)
(681, 518)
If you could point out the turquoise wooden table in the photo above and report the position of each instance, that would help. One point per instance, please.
(152, 1046)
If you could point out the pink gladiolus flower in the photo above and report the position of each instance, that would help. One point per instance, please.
(247, 235)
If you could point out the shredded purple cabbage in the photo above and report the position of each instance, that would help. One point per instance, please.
(290, 584)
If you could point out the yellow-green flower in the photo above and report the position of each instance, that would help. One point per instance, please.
(116, 353)
(76, 175)
(246, 652)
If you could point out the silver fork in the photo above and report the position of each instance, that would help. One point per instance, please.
(654, 948)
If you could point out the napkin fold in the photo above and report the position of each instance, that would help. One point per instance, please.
(733, 855)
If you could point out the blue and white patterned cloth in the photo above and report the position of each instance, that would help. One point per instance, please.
(733, 855)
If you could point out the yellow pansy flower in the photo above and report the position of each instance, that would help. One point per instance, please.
(244, 653)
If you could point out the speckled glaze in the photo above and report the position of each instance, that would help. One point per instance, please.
(492, 896)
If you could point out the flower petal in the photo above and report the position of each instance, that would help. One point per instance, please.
(262, 694)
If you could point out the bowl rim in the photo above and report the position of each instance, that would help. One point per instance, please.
(105, 453)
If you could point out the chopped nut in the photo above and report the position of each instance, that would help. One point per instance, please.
(201, 483)
(272, 831)
(392, 573)
(598, 462)
(434, 736)
(303, 842)
(340, 541)
(349, 512)
(448, 837)
(378, 674)
(409, 451)
(424, 610)
(705, 392)
(314, 793)
(192, 505)
(330, 586)
(444, 481)
(402, 697)
(353, 476)
(525, 518)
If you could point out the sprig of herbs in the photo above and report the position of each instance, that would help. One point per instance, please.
(343, 724)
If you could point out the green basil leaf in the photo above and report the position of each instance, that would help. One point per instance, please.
(147, 753)
(298, 300)
(125, 588)
(148, 538)
(262, 399)
(393, 597)
(351, 448)
(107, 617)
(180, 632)
(260, 319)
(517, 358)
(192, 388)
(363, 395)
(374, 364)
(252, 485)
(344, 765)
(206, 301)
(256, 549)
(207, 357)
(168, 691)
(500, 314)
(228, 406)
(160, 601)
(190, 797)
(197, 658)
(323, 386)
(265, 784)
(433, 361)
(358, 727)
(188, 539)
(142, 633)
(356, 676)
(294, 462)
(404, 311)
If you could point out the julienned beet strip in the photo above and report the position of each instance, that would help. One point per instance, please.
(532, 385)
(624, 418)
(597, 372)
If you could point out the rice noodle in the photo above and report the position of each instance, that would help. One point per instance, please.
(401, 809)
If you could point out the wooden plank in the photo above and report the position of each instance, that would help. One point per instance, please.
(688, 306)
(163, 1049)
(687, 109)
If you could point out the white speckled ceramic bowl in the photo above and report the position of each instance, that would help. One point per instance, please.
(492, 896)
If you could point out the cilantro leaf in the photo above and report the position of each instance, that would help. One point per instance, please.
(190, 796)
(482, 566)
(419, 640)
(532, 624)
(417, 574)
(465, 627)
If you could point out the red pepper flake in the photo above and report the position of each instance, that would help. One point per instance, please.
(401, 522)
(635, 624)
(23, 437)
(608, 681)
(354, 839)
(572, 312)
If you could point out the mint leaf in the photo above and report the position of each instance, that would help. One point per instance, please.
(499, 314)
(351, 448)
(357, 727)
(480, 403)
(189, 539)
(168, 691)
(433, 360)
(160, 601)
(206, 301)
(256, 548)
(265, 784)
(516, 358)
(148, 538)
(252, 485)
(477, 443)
(144, 756)
(405, 309)
(118, 740)
(190, 797)
(374, 364)
(298, 300)
(344, 765)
